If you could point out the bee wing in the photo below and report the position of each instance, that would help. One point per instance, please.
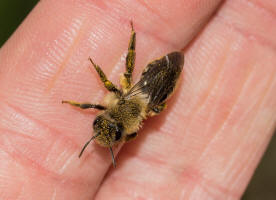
(159, 78)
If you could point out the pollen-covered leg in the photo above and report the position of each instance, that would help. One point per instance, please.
(130, 60)
(157, 109)
(131, 136)
(108, 84)
(85, 105)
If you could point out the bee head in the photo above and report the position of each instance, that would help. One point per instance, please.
(107, 132)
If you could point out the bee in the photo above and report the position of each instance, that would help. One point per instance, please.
(125, 109)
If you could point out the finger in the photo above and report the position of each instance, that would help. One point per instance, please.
(217, 126)
(45, 62)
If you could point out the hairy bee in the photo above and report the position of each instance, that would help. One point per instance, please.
(126, 108)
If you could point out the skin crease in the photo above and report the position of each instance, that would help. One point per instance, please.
(205, 145)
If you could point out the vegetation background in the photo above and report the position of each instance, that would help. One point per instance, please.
(263, 183)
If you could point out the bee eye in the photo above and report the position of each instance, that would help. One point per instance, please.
(96, 121)
(118, 135)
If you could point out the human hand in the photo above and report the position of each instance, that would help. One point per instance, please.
(205, 145)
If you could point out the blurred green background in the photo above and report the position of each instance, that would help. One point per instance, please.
(263, 183)
(12, 12)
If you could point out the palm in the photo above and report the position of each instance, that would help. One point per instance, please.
(206, 144)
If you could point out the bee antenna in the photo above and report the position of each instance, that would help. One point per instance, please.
(112, 155)
(87, 143)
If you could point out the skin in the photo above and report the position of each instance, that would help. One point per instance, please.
(205, 145)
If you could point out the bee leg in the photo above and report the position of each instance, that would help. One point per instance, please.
(130, 136)
(130, 60)
(158, 109)
(108, 84)
(85, 105)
